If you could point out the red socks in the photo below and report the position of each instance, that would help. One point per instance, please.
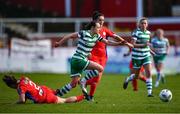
(92, 87)
(79, 98)
(134, 84)
(143, 78)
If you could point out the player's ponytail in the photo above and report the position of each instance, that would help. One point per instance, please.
(10, 81)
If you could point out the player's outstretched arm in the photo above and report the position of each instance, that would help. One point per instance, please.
(110, 42)
(123, 42)
(67, 37)
(115, 43)
(118, 38)
(128, 44)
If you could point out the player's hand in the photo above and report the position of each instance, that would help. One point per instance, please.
(56, 44)
(127, 43)
(126, 54)
(148, 44)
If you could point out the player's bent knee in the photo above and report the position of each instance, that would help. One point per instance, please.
(100, 69)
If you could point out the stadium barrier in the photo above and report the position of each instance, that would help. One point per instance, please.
(56, 60)
(33, 57)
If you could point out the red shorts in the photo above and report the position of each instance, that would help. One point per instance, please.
(100, 60)
(131, 67)
(50, 95)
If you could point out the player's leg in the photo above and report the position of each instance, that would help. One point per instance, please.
(135, 84)
(52, 98)
(147, 67)
(66, 88)
(158, 74)
(142, 76)
(162, 74)
(134, 74)
(72, 99)
(94, 81)
(131, 77)
(93, 70)
(93, 85)
(134, 81)
(159, 66)
(77, 66)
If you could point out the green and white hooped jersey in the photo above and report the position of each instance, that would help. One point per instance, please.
(160, 46)
(141, 37)
(86, 42)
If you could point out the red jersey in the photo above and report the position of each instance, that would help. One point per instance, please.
(36, 93)
(100, 48)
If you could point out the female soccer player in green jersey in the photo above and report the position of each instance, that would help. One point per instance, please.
(79, 62)
(160, 46)
(141, 54)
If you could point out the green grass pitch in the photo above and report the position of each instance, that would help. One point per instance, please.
(109, 98)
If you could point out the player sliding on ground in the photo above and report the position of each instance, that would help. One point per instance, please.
(27, 89)
(79, 62)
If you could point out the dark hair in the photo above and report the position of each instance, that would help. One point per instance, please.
(142, 19)
(90, 25)
(10, 81)
(96, 15)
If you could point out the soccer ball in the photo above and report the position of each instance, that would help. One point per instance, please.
(165, 95)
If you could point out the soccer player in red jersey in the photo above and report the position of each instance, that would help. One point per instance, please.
(27, 89)
(99, 54)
